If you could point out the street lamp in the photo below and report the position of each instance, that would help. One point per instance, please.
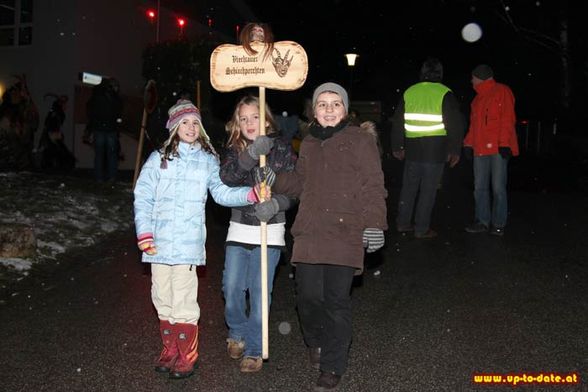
(351, 58)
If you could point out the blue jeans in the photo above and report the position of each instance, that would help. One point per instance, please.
(106, 158)
(422, 179)
(242, 273)
(490, 170)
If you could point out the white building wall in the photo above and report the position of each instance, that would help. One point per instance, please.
(105, 37)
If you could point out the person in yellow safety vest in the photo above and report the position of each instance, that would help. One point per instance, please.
(427, 131)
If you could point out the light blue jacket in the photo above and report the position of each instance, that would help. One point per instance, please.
(170, 203)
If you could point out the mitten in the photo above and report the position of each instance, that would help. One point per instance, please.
(260, 146)
(253, 196)
(468, 153)
(373, 239)
(146, 244)
(264, 173)
(505, 152)
(266, 210)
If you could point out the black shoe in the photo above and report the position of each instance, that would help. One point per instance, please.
(477, 227)
(405, 229)
(497, 231)
(426, 235)
(327, 381)
(314, 355)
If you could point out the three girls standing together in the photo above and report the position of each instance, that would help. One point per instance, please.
(337, 182)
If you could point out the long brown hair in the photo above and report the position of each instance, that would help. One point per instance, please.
(236, 139)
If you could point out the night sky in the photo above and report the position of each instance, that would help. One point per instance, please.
(520, 41)
(392, 45)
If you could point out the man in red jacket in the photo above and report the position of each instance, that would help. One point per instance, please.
(491, 141)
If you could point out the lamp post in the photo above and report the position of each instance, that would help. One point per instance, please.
(351, 58)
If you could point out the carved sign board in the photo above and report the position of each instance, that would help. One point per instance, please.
(232, 68)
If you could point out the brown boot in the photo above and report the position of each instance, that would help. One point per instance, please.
(187, 341)
(327, 381)
(170, 353)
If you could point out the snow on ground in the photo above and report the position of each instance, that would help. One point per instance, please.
(64, 211)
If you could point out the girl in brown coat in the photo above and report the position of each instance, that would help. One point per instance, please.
(339, 181)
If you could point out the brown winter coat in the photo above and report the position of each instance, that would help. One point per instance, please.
(340, 184)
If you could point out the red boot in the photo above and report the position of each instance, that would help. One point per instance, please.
(187, 340)
(170, 352)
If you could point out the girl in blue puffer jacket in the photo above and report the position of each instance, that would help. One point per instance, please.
(170, 199)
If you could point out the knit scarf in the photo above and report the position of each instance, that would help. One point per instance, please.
(324, 133)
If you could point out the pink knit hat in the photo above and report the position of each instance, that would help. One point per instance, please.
(181, 109)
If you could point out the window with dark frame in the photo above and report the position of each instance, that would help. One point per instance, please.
(16, 22)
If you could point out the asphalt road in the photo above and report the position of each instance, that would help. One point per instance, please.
(428, 314)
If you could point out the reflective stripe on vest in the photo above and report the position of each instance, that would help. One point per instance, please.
(423, 103)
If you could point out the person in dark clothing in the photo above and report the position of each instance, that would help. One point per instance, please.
(427, 131)
(54, 152)
(339, 181)
(104, 110)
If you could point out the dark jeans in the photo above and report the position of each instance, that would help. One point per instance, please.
(323, 298)
(422, 179)
(106, 158)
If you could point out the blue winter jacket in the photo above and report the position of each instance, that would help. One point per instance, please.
(170, 203)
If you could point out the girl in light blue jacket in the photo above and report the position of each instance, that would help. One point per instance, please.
(170, 199)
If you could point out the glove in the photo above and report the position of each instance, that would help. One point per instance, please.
(264, 173)
(373, 239)
(260, 146)
(146, 244)
(266, 210)
(468, 153)
(505, 152)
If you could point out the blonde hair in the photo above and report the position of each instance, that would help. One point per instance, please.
(236, 139)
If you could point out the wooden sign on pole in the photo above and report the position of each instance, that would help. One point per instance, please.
(285, 68)
(232, 68)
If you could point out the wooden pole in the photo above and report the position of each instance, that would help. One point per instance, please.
(198, 95)
(263, 227)
(140, 147)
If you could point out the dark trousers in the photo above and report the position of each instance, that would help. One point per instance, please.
(323, 298)
(106, 158)
(419, 179)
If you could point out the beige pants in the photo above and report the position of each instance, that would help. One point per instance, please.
(174, 292)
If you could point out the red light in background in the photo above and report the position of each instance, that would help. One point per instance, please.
(181, 22)
(151, 14)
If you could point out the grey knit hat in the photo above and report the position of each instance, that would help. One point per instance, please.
(483, 72)
(332, 87)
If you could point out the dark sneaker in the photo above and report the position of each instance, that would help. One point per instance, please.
(497, 231)
(314, 354)
(327, 381)
(477, 227)
(404, 229)
(427, 234)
